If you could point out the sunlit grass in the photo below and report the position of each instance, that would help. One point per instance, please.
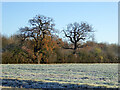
(88, 74)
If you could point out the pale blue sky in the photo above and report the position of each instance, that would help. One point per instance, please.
(102, 15)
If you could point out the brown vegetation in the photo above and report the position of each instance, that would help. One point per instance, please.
(39, 44)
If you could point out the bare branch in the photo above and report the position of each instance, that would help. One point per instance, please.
(68, 37)
(76, 32)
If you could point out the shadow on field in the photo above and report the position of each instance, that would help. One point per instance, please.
(15, 84)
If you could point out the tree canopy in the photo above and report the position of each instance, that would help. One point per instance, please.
(78, 31)
(40, 27)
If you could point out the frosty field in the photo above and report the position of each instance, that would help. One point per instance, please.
(77, 74)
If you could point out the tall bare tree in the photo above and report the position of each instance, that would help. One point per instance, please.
(76, 32)
(39, 27)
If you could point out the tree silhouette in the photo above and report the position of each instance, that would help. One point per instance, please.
(40, 26)
(76, 32)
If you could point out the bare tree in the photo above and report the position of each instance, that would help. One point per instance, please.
(76, 32)
(39, 27)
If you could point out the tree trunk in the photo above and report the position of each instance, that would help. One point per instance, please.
(38, 61)
(75, 47)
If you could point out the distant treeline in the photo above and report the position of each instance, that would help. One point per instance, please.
(55, 50)
(39, 43)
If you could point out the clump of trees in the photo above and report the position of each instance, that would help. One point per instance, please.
(38, 43)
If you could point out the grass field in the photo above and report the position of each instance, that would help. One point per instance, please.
(60, 75)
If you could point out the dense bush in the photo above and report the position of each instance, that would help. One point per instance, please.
(57, 51)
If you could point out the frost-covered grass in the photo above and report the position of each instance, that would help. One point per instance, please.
(91, 74)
